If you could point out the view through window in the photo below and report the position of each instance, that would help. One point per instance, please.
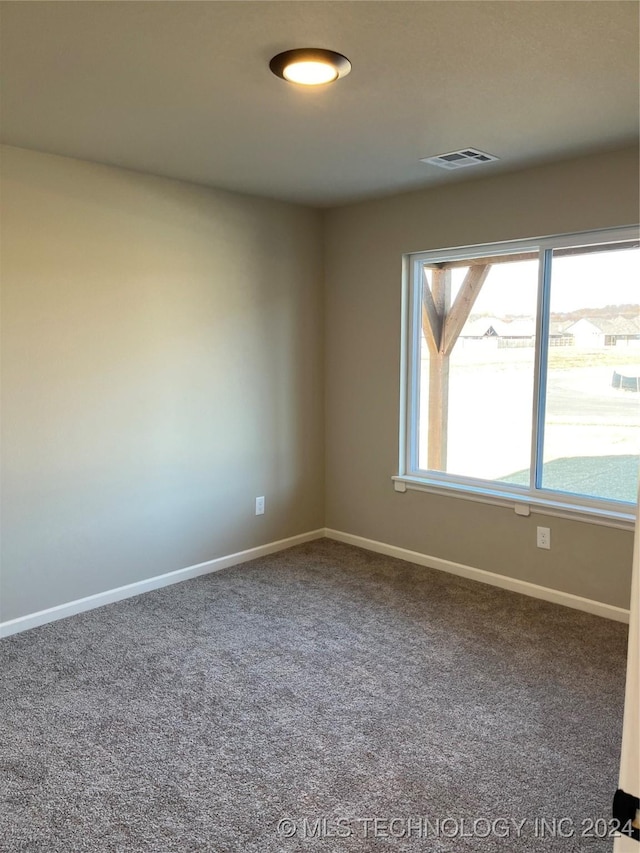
(525, 369)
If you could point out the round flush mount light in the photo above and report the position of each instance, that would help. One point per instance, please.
(310, 66)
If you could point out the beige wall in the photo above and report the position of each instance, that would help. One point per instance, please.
(363, 248)
(162, 366)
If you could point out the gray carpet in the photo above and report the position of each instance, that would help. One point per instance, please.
(321, 681)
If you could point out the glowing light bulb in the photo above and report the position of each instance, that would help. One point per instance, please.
(310, 73)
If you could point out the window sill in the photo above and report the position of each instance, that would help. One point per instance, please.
(523, 504)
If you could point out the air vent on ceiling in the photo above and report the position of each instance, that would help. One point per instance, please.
(460, 159)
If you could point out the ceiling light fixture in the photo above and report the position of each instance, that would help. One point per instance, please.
(310, 66)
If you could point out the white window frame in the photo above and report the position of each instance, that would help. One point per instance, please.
(522, 499)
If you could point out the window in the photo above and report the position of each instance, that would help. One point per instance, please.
(521, 373)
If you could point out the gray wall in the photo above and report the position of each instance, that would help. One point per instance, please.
(363, 248)
(162, 365)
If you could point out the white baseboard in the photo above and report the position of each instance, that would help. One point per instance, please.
(556, 596)
(42, 617)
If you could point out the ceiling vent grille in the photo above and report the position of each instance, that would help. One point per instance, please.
(460, 159)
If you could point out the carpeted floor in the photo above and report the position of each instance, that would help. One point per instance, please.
(321, 682)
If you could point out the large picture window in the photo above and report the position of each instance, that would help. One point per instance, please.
(521, 376)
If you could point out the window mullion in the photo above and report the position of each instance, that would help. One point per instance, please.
(540, 369)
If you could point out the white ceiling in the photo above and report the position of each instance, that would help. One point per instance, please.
(183, 89)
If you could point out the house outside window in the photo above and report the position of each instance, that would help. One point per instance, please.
(521, 374)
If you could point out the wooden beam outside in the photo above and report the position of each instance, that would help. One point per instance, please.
(459, 314)
(439, 377)
(441, 290)
(481, 262)
(431, 320)
(532, 256)
(438, 412)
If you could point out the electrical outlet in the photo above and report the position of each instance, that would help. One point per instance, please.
(544, 538)
(260, 506)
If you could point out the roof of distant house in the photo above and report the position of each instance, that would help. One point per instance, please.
(614, 326)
